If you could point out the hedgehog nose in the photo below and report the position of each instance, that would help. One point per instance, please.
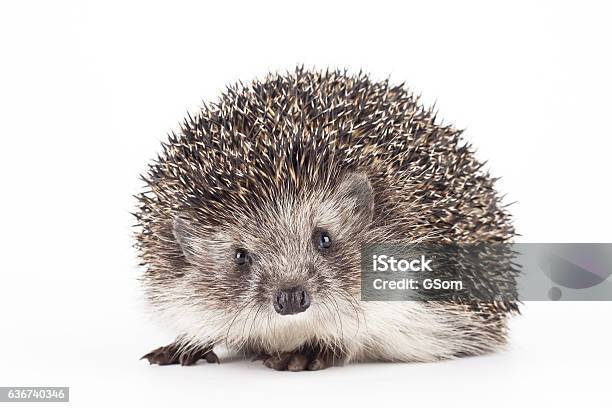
(291, 301)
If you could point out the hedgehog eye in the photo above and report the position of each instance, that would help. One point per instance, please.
(325, 240)
(241, 256)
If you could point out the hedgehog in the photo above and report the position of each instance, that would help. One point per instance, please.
(251, 226)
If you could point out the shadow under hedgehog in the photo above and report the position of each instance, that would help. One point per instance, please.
(254, 216)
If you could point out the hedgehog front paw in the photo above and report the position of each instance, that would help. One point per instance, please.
(174, 354)
(299, 360)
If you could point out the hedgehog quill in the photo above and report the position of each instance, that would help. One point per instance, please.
(254, 215)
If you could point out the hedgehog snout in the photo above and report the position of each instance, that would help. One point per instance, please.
(288, 301)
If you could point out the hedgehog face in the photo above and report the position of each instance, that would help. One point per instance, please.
(297, 256)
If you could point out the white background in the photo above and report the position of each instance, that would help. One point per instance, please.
(89, 90)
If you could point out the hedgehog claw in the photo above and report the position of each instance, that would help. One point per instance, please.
(172, 354)
(299, 360)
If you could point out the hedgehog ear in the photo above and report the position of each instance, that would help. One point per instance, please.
(185, 237)
(356, 190)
